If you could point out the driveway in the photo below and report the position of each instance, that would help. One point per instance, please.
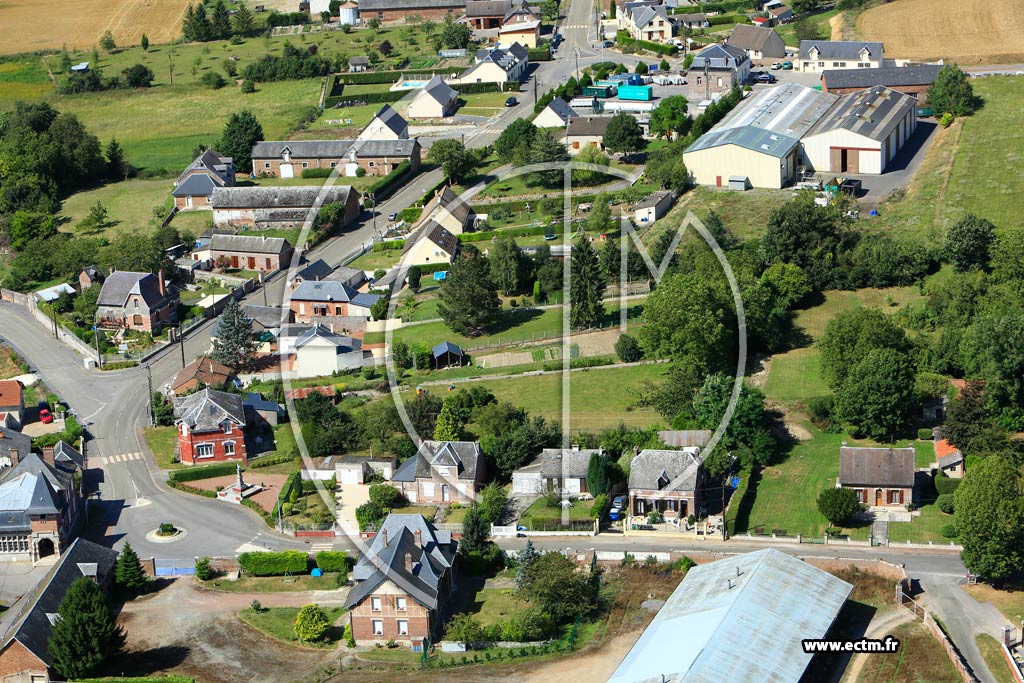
(349, 497)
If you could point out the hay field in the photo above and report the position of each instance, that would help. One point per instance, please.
(965, 31)
(48, 24)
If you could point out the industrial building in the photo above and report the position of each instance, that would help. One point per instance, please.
(781, 133)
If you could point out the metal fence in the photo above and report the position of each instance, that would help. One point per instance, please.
(178, 567)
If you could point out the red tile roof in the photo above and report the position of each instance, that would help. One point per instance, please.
(10, 392)
(944, 448)
(306, 391)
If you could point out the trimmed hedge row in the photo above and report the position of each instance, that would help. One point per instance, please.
(258, 509)
(945, 485)
(727, 6)
(272, 460)
(518, 232)
(388, 245)
(193, 473)
(333, 561)
(477, 88)
(292, 483)
(538, 54)
(317, 172)
(192, 489)
(412, 214)
(728, 19)
(623, 38)
(274, 564)
(387, 184)
(368, 98)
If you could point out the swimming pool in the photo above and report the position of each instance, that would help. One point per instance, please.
(408, 85)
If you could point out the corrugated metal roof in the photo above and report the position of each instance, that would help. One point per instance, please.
(873, 113)
(789, 109)
(755, 139)
(737, 619)
(889, 76)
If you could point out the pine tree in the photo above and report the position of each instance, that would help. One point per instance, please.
(220, 25)
(241, 132)
(504, 261)
(545, 148)
(242, 21)
(597, 474)
(469, 300)
(84, 634)
(527, 556)
(117, 165)
(188, 23)
(447, 426)
(144, 42)
(65, 61)
(234, 343)
(128, 573)
(587, 285)
(475, 532)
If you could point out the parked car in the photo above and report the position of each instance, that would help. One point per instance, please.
(766, 78)
(45, 416)
(776, 66)
(787, 66)
(511, 102)
(392, 217)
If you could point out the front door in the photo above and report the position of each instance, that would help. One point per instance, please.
(852, 161)
(287, 171)
(718, 181)
(252, 263)
(234, 261)
(445, 495)
(878, 498)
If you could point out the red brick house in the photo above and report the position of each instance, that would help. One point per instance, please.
(442, 472)
(136, 301)
(402, 10)
(40, 497)
(24, 651)
(211, 427)
(881, 477)
(250, 252)
(402, 583)
(668, 482)
(289, 158)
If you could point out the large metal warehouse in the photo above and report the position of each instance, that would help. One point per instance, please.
(767, 159)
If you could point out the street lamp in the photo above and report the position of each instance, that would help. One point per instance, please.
(577, 50)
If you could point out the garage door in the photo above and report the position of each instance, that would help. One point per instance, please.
(349, 477)
(286, 171)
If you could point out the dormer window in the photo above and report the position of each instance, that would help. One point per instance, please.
(227, 427)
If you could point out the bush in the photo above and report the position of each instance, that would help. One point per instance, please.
(272, 460)
(600, 503)
(945, 503)
(274, 564)
(946, 120)
(925, 434)
(205, 472)
(385, 496)
(387, 184)
(945, 484)
(628, 349)
(369, 515)
(317, 172)
(248, 86)
(332, 561)
(203, 570)
(311, 623)
(213, 80)
(949, 531)
(685, 564)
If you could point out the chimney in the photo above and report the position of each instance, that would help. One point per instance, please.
(48, 456)
(384, 536)
(160, 278)
(408, 562)
(13, 455)
(419, 538)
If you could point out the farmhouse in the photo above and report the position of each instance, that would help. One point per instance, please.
(758, 42)
(288, 159)
(765, 602)
(862, 132)
(720, 67)
(320, 352)
(521, 12)
(194, 187)
(12, 404)
(387, 124)
(487, 14)
(653, 207)
(263, 208)
(24, 653)
(818, 55)
(780, 15)
(402, 583)
(136, 301)
(265, 254)
(320, 270)
(40, 497)
(693, 21)
(668, 482)
(211, 427)
(526, 33)
(435, 100)
(202, 372)
(948, 459)
(559, 470)
(316, 299)
(557, 114)
(914, 79)
(400, 10)
(497, 65)
(648, 22)
(881, 477)
(442, 472)
(586, 131)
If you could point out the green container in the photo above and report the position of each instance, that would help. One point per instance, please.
(599, 91)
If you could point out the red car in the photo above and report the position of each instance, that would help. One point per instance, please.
(45, 416)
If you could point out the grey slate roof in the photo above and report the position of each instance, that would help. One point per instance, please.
(315, 270)
(385, 560)
(646, 16)
(439, 91)
(334, 149)
(873, 113)
(719, 57)
(32, 488)
(691, 18)
(122, 283)
(565, 462)
(889, 76)
(10, 439)
(285, 197)
(840, 49)
(588, 126)
(265, 316)
(253, 244)
(331, 290)
(342, 343)
(393, 120)
(521, 8)
(763, 602)
(465, 456)
(562, 109)
(65, 454)
(876, 466)
(653, 199)
(32, 628)
(749, 37)
(655, 469)
(196, 185)
(487, 8)
(446, 347)
(685, 438)
(211, 161)
(951, 459)
(255, 401)
(207, 409)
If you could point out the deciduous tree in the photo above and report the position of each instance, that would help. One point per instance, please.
(624, 135)
(838, 505)
(513, 145)
(670, 117)
(968, 242)
(504, 261)
(877, 397)
(952, 92)
(989, 513)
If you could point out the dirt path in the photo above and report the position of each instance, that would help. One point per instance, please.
(836, 24)
(597, 664)
(881, 625)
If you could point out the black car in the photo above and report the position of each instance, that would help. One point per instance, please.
(511, 102)
(766, 78)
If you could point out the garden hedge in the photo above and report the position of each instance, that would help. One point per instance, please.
(728, 19)
(386, 185)
(412, 214)
(271, 460)
(316, 172)
(274, 564)
(946, 485)
(376, 77)
(192, 489)
(368, 98)
(478, 88)
(332, 561)
(538, 54)
(194, 473)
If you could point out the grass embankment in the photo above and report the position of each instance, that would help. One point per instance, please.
(279, 623)
(270, 584)
(995, 660)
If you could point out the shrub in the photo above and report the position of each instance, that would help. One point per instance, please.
(946, 120)
(685, 564)
(945, 484)
(272, 460)
(600, 503)
(317, 172)
(203, 570)
(167, 529)
(949, 531)
(206, 472)
(332, 561)
(385, 496)
(350, 640)
(274, 564)
(256, 606)
(945, 503)
(628, 349)
(248, 86)
(311, 623)
(368, 515)
(464, 628)
(925, 434)
(837, 505)
(213, 80)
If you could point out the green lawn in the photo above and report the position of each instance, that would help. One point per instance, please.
(796, 376)
(129, 204)
(925, 527)
(971, 154)
(278, 622)
(372, 260)
(598, 398)
(22, 78)
(494, 605)
(161, 441)
(484, 104)
(995, 660)
(788, 31)
(540, 510)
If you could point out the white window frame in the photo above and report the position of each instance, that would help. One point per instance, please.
(227, 427)
(378, 626)
(376, 604)
(400, 604)
(403, 627)
(229, 448)
(200, 447)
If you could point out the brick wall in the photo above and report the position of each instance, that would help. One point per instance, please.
(188, 444)
(362, 618)
(16, 659)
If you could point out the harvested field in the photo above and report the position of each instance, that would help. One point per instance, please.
(82, 23)
(976, 32)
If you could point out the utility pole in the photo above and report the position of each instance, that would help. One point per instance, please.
(96, 338)
(577, 64)
(170, 67)
(149, 381)
(53, 317)
(535, 79)
(181, 345)
(707, 81)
